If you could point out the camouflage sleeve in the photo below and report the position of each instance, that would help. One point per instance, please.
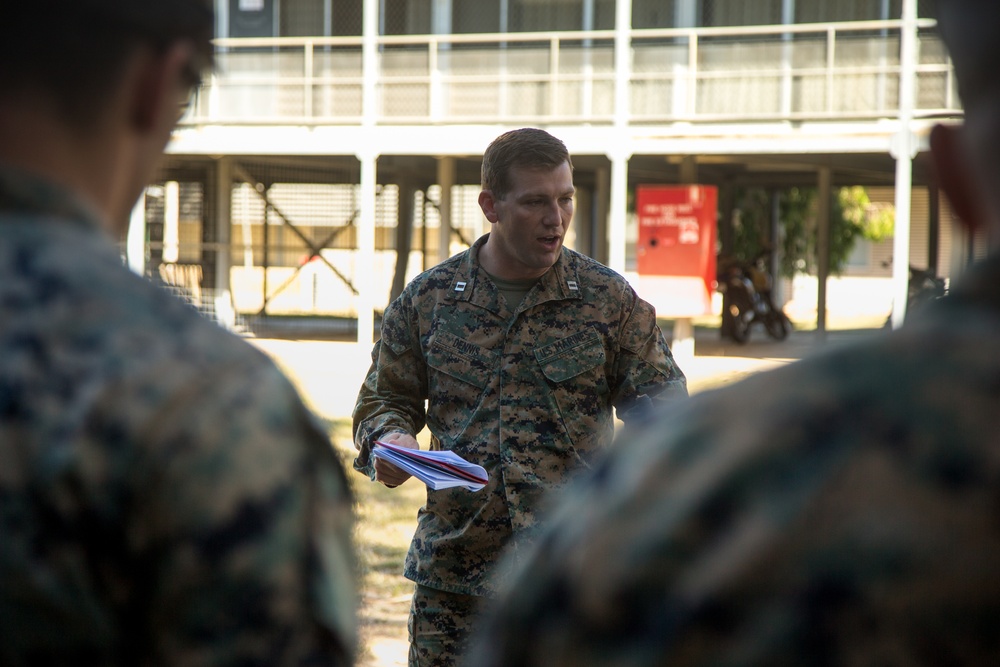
(645, 373)
(392, 397)
(247, 529)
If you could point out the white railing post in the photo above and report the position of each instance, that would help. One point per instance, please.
(369, 64)
(587, 68)
(436, 91)
(831, 36)
(554, 76)
(623, 61)
(307, 93)
(787, 51)
(692, 75)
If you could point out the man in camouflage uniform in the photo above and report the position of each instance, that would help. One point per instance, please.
(520, 348)
(843, 510)
(165, 497)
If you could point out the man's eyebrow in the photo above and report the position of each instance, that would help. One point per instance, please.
(535, 193)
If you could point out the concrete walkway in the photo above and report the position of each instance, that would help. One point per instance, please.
(329, 373)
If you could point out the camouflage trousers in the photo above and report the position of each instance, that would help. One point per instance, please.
(440, 624)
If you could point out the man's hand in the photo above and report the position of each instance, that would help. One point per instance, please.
(386, 472)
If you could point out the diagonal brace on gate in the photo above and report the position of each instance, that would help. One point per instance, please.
(315, 249)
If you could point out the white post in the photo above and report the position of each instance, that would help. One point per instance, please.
(135, 241)
(618, 205)
(171, 221)
(366, 250)
(367, 161)
(446, 180)
(904, 150)
(618, 209)
(223, 236)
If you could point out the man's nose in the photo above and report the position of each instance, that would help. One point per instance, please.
(553, 214)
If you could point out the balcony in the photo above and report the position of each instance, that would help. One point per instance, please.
(813, 72)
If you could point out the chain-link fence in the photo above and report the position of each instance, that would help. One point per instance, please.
(290, 248)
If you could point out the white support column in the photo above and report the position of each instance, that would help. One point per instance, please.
(171, 221)
(682, 345)
(223, 235)
(366, 250)
(367, 160)
(602, 208)
(135, 241)
(446, 181)
(618, 204)
(618, 209)
(904, 150)
(823, 185)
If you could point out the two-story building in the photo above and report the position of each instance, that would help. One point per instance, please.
(334, 153)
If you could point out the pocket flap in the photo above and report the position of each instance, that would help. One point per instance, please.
(571, 356)
(461, 359)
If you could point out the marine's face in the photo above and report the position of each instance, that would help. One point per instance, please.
(530, 222)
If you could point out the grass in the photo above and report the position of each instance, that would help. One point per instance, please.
(386, 519)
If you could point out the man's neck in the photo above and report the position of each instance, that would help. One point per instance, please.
(33, 139)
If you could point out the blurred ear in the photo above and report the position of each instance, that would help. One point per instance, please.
(158, 88)
(955, 176)
(489, 205)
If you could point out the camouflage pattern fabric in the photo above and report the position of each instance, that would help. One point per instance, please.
(527, 394)
(842, 510)
(165, 497)
(439, 626)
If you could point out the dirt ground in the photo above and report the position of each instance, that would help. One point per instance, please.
(328, 374)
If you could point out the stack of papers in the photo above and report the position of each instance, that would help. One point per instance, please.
(437, 469)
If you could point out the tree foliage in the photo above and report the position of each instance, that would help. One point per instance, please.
(853, 216)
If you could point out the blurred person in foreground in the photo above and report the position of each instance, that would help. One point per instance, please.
(844, 510)
(165, 497)
(515, 353)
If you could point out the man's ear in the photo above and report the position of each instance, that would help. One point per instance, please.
(158, 87)
(955, 175)
(489, 205)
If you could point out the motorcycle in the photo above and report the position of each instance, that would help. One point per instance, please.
(746, 299)
(922, 287)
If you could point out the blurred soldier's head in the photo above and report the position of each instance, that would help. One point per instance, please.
(966, 158)
(90, 90)
(77, 50)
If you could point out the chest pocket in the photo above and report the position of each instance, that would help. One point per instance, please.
(461, 359)
(574, 368)
(459, 372)
(573, 356)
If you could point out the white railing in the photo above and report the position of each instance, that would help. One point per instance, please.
(839, 71)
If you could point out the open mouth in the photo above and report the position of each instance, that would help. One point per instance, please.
(549, 240)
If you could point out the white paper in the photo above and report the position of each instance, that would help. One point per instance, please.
(436, 469)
